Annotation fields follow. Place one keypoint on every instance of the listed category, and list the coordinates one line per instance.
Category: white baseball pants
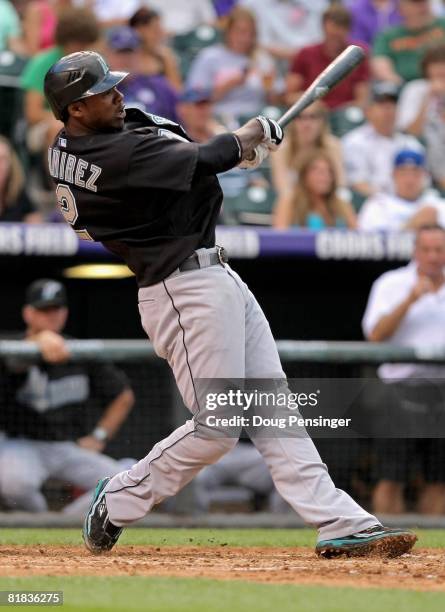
(207, 324)
(26, 464)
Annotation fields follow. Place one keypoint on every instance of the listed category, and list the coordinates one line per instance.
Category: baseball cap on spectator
(407, 157)
(44, 293)
(384, 90)
(194, 95)
(123, 38)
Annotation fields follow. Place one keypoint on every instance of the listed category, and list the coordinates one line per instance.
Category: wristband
(240, 147)
(100, 434)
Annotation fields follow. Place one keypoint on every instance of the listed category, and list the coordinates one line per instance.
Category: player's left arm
(111, 421)
(111, 386)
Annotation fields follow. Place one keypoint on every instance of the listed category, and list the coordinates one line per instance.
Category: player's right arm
(52, 346)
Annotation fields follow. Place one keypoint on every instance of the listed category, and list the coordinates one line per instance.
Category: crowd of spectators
(214, 64)
(367, 157)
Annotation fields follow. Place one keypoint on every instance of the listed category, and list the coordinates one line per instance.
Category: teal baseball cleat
(375, 541)
(99, 534)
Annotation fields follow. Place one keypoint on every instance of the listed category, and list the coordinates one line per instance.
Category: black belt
(217, 257)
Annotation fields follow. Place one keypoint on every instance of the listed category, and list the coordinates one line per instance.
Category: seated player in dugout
(137, 183)
(45, 409)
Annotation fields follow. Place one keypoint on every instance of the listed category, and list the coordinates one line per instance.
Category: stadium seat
(265, 171)
(346, 119)
(11, 67)
(271, 111)
(357, 200)
(253, 207)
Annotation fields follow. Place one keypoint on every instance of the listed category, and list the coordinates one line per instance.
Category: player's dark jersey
(136, 192)
(55, 401)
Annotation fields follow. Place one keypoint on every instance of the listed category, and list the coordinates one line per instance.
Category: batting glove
(261, 152)
(273, 134)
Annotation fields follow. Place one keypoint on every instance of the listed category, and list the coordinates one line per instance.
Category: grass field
(204, 595)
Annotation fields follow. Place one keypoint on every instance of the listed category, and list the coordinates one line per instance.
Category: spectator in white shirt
(421, 110)
(111, 12)
(369, 150)
(286, 27)
(411, 206)
(438, 7)
(183, 16)
(406, 307)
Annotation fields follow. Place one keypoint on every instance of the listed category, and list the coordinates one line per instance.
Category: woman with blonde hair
(309, 131)
(239, 75)
(314, 202)
(14, 202)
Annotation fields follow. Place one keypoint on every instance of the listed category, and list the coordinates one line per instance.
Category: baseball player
(139, 185)
(45, 407)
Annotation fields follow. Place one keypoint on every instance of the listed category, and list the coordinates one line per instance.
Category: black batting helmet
(77, 76)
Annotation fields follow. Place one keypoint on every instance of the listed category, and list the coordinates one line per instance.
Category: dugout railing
(159, 409)
(290, 351)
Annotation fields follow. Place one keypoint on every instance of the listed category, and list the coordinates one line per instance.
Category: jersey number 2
(67, 204)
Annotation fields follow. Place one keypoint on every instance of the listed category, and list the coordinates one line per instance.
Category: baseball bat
(325, 82)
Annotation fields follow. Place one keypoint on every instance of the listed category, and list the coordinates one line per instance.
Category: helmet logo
(103, 63)
(73, 75)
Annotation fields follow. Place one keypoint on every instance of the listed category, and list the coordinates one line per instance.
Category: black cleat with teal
(99, 534)
(376, 541)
